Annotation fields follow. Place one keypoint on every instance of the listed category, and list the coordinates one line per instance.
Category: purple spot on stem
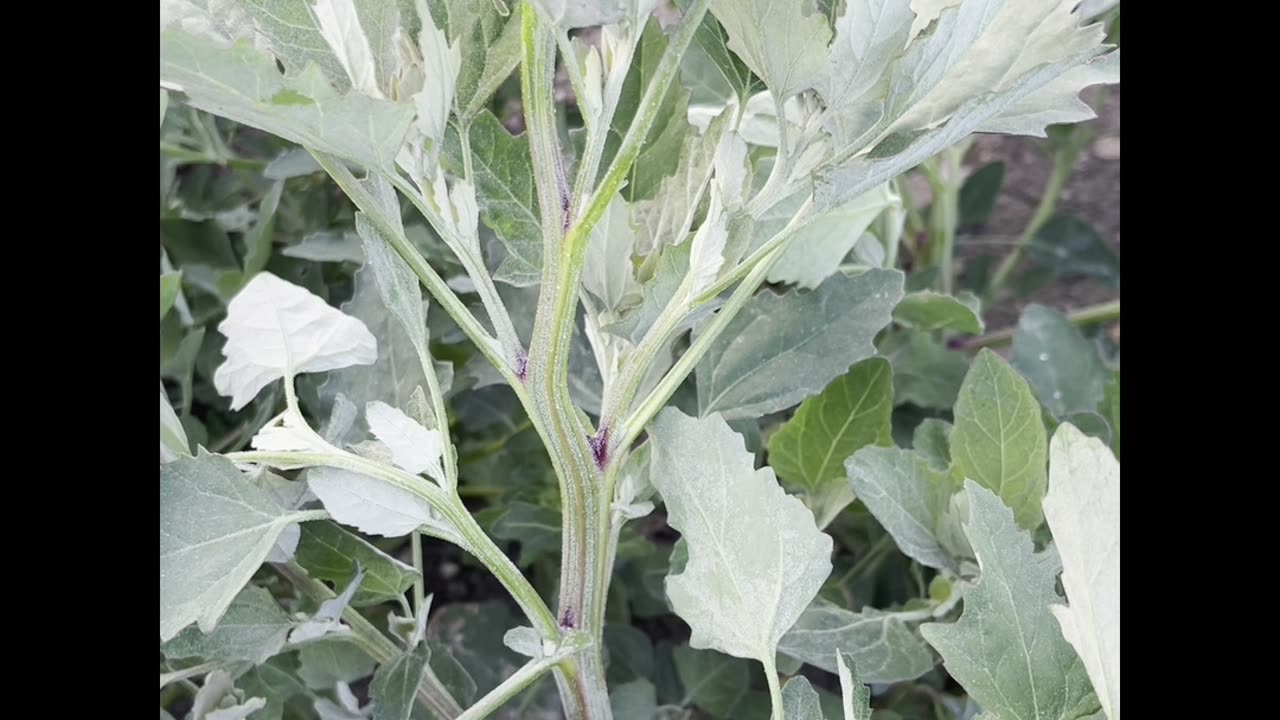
(600, 448)
(568, 619)
(522, 364)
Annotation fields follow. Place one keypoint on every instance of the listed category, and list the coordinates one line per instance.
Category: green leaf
(1069, 247)
(929, 311)
(1006, 649)
(490, 44)
(243, 85)
(713, 681)
(779, 40)
(1064, 368)
(908, 497)
(924, 372)
(170, 285)
(329, 552)
(327, 246)
(472, 633)
(822, 244)
(505, 193)
(276, 329)
(536, 528)
(397, 373)
(932, 439)
(660, 152)
(882, 643)
(1111, 410)
(1083, 511)
(276, 681)
(216, 528)
(395, 685)
(636, 700)
(569, 14)
(710, 50)
(800, 700)
(854, 696)
(607, 273)
(756, 559)
(173, 439)
(329, 661)
(630, 653)
(998, 440)
(781, 349)
(295, 38)
(978, 194)
(657, 293)
(164, 104)
(809, 450)
(253, 629)
(666, 218)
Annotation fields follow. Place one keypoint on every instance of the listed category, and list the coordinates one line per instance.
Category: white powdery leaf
(441, 63)
(288, 433)
(1058, 101)
(1083, 510)
(373, 506)
(780, 40)
(756, 558)
(340, 26)
(173, 438)
(870, 35)
(817, 250)
(524, 640)
(707, 253)
(607, 272)
(413, 447)
(275, 329)
(569, 14)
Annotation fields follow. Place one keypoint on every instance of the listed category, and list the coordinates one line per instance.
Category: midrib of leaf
(301, 516)
(724, 560)
(1022, 643)
(854, 415)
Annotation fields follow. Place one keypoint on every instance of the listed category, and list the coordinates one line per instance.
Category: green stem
(1092, 315)
(509, 688)
(775, 687)
(432, 694)
(1064, 160)
(868, 561)
(190, 672)
(470, 536)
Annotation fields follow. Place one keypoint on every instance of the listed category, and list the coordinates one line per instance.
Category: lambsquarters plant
(646, 234)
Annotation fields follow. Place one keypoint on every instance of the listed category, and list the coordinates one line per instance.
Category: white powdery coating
(413, 447)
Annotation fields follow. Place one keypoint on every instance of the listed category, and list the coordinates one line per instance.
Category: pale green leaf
(756, 559)
(1058, 101)
(800, 700)
(1083, 511)
(395, 685)
(164, 104)
(854, 696)
(808, 452)
(607, 272)
(782, 41)
(490, 44)
(505, 193)
(660, 153)
(1063, 368)
(999, 441)
(710, 54)
(173, 439)
(635, 700)
(713, 681)
(243, 85)
(170, 286)
(330, 661)
(397, 373)
(329, 552)
(781, 349)
(472, 633)
(932, 439)
(293, 33)
(339, 25)
(569, 14)
(414, 448)
(253, 629)
(217, 699)
(442, 63)
(276, 681)
(524, 640)
(276, 329)
(908, 497)
(924, 372)
(818, 249)
(1006, 649)
(216, 528)
(868, 37)
(327, 246)
(373, 506)
(930, 311)
(536, 528)
(882, 643)
(666, 218)
(657, 293)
